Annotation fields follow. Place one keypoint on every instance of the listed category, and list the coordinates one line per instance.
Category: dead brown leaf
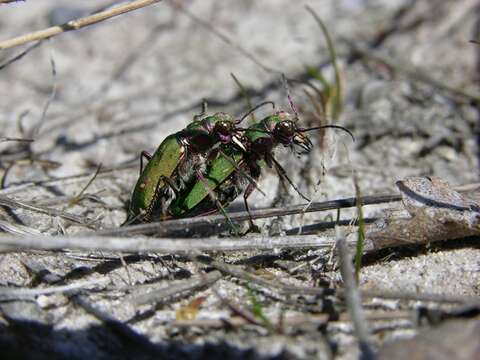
(437, 212)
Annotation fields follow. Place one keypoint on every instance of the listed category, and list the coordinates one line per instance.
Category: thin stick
(77, 197)
(164, 227)
(411, 296)
(21, 293)
(5, 139)
(9, 1)
(76, 24)
(165, 245)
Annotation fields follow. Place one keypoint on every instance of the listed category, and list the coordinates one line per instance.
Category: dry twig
(165, 227)
(27, 293)
(5, 139)
(9, 1)
(143, 244)
(76, 24)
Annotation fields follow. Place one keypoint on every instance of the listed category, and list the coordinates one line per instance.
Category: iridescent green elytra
(175, 159)
(217, 172)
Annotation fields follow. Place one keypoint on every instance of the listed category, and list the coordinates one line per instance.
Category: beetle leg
(154, 203)
(252, 227)
(283, 174)
(146, 155)
(170, 184)
(135, 219)
(243, 173)
(213, 154)
(212, 195)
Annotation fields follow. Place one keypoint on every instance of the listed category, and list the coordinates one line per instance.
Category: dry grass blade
(18, 229)
(23, 293)
(19, 55)
(77, 197)
(36, 129)
(175, 288)
(65, 180)
(338, 95)
(76, 24)
(14, 204)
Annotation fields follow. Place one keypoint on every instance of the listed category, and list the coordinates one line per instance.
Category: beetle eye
(223, 127)
(285, 128)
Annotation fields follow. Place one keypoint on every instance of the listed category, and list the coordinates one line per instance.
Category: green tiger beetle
(222, 176)
(178, 158)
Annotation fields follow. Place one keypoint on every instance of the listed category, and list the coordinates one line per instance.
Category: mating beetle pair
(172, 164)
(209, 163)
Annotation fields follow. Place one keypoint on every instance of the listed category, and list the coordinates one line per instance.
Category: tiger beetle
(224, 175)
(178, 158)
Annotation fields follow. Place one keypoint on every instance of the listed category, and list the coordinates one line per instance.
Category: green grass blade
(257, 309)
(361, 231)
(317, 75)
(337, 104)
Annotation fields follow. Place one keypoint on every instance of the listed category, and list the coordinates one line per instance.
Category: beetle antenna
(329, 126)
(289, 97)
(204, 111)
(255, 108)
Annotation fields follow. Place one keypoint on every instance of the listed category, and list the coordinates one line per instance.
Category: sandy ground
(125, 84)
